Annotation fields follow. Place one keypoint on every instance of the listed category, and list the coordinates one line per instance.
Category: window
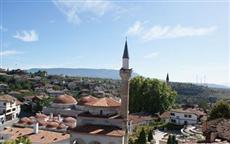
(101, 112)
(14, 109)
(4, 104)
(185, 115)
(189, 116)
(172, 114)
(173, 121)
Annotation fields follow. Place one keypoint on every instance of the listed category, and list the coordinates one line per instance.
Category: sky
(187, 39)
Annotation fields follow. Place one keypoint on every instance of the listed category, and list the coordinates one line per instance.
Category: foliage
(19, 140)
(171, 126)
(150, 95)
(40, 73)
(44, 102)
(150, 136)
(142, 137)
(220, 110)
(172, 139)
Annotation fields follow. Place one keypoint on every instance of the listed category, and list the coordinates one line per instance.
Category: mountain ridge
(82, 72)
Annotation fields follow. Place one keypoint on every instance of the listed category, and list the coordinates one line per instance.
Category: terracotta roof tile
(65, 99)
(104, 102)
(87, 99)
(42, 137)
(100, 130)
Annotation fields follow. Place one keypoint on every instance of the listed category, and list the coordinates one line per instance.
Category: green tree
(150, 95)
(131, 141)
(172, 139)
(43, 103)
(19, 140)
(150, 136)
(142, 137)
(169, 141)
(23, 140)
(220, 110)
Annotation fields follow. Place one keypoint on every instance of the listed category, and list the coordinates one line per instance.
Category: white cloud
(3, 29)
(73, 9)
(26, 36)
(165, 32)
(9, 53)
(151, 55)
(135, 29)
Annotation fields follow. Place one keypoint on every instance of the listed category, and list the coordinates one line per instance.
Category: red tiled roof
(220, 126)
(100, 130)
(42, 137)
(69, 119)
(87, 99)
(65, 99)
(104, 102)
(139, 118)
(189, 111)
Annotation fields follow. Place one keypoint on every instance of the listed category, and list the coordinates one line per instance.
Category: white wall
(180, 118)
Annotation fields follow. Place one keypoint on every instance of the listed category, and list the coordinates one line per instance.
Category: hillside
(82, 72)
(195, 94)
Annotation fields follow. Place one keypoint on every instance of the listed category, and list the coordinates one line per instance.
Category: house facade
(185, 116)
(9, 108)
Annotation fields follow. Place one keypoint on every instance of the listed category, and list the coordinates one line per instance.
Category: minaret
(167, 78)
(125, 74)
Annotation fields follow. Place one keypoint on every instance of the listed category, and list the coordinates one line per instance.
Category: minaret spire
(125, 73)
(125, 58)
(126, 52)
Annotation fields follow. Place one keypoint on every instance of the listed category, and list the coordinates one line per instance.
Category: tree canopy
(220, 110)
(142, 137)
(150, 95)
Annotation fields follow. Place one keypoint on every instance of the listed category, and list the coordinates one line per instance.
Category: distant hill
(217, 86)
(82, 72)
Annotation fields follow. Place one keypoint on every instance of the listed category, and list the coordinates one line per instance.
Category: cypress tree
(150, 136)
(142, 137)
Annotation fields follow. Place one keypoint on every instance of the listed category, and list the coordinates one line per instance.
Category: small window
(4, 104)
(185, 115)
(172, 114)
(189, 116)
(101, 112)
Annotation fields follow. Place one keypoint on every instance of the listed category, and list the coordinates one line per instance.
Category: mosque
(99, 120)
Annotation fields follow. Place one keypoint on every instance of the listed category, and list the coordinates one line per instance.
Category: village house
(9, 108)
(189, 116)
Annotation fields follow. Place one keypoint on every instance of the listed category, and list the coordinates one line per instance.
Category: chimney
(36, 127)
(51, 115)
(59, 118)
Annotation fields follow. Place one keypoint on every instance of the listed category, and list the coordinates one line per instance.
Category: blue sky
(187, 39)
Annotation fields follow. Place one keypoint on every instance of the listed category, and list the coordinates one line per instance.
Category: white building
(9, 108)
(186, 116)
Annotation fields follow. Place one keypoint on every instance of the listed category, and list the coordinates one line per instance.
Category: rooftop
(195, 111)
(7, 98)
(221, 126)
(42, 137)
(104, 102)
(87, 99)
(65, 99)
(87, 114)
(100, 130)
